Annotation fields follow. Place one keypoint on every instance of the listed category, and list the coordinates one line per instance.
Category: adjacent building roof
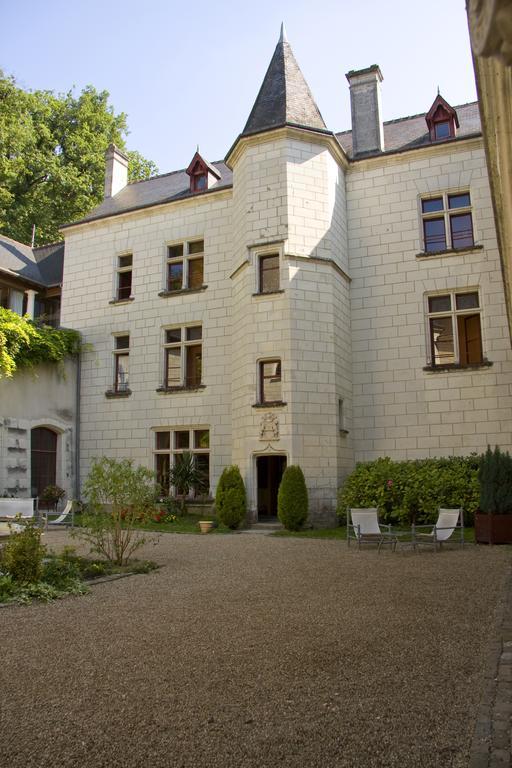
(284, 96)
(42, 266)
(412, 132)
(160, 189)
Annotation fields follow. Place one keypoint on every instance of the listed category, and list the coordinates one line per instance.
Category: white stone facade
(348, 323)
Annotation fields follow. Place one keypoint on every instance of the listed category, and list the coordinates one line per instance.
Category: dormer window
(202, 174)
(442, 120)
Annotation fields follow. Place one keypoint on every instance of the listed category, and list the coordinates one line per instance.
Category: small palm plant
(185, 476)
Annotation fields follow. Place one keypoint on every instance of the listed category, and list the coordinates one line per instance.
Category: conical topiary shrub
(230, 498)
(292, 499)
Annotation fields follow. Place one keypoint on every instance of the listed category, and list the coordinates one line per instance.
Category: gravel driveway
(254, 651)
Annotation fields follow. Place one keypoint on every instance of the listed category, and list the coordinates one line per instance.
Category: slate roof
(160, 189)
(412, 132)
(42, 266)
(284, 96)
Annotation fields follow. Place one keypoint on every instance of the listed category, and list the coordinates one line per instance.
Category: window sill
(449, 252)
(457, 367)
(171, 390)
(122, 301)
(111, 394)
(269, 293)
(182, 291)
(271, 404)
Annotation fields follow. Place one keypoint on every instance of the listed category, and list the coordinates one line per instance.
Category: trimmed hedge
(407, 491)
(230, 498)
(292, 499)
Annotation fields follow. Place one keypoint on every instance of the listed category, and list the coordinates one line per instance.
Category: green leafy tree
(119, 498)
(52, 157)
(184, 475)
(292, 499)
(24, 344)
(230, 498)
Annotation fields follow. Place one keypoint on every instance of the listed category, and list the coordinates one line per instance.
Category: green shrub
(60, 572)
(496, 482)
(22, 555)
(119, 498)
(412, 491)
(292, 499)
(230, 498)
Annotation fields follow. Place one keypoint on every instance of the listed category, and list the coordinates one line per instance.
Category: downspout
(77, 428)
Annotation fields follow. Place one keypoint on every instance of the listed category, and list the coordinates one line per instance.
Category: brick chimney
(116, 171)
(367, 131)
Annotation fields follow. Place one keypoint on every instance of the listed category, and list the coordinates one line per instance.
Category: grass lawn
(183, 524)
(341, 533)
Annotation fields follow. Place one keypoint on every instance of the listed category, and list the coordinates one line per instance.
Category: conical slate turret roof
(284, 96)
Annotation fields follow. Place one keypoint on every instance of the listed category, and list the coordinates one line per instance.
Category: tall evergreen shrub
(292, 499)
(230, 497)
(496, 482)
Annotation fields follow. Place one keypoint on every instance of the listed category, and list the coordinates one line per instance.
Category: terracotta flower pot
(206, 526)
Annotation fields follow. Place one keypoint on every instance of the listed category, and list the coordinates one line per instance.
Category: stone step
(267, 526)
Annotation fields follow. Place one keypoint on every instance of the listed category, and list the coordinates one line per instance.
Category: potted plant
(51, 495)
(185, 476)
(493, 521)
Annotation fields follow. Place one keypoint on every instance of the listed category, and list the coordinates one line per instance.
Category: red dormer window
(202, 174)
(442, 120)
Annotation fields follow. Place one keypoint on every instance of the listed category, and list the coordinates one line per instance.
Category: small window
(171, 445)
(442, 130)
(185, 266)
(199, 182)
(454, 323)
(270, 381)
(124, 277)
(268, 273)
(121, 363)
(183, 357)
(447, 222)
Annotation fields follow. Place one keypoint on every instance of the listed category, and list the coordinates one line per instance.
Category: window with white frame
(121, 363)
(171, 445)
(183, 356)
(447, 222)
(270, 389)
(124, 277)
(185, 266)
(455, 329)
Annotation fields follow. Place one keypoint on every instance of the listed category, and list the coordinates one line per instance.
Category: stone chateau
(317, 298)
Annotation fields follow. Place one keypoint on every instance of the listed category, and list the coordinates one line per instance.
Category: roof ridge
(169, 173)
(409, 117)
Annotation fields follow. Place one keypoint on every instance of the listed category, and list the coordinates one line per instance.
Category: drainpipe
(77, 427)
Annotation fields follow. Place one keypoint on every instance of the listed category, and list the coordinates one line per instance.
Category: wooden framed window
(268, 273)
(185, 266)
(454, 326)
(124, 277)
(183, 357)
(270, 381)
(447, 222)
(171, 445)
(121, 363)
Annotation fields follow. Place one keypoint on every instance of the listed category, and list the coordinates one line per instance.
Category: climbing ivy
(24, 343)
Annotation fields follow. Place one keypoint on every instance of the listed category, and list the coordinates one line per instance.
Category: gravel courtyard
(254, 651)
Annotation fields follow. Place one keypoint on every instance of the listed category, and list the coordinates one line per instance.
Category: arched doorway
(43, 459)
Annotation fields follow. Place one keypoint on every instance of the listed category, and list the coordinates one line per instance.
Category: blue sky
(188, 73)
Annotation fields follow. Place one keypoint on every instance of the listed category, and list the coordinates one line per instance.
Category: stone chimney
(116, 171)
(367, 131)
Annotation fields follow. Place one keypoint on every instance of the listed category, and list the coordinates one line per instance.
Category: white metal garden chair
(66, 517)
(363, 526)
(448, 521)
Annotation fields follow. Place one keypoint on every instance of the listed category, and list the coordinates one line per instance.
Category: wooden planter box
(493, 529)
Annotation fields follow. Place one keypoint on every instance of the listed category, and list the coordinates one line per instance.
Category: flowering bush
(407, 491)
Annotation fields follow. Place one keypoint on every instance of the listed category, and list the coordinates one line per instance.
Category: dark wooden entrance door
(43, 459)
(270, 471)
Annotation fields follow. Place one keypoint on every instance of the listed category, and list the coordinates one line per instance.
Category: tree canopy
(52, 157)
